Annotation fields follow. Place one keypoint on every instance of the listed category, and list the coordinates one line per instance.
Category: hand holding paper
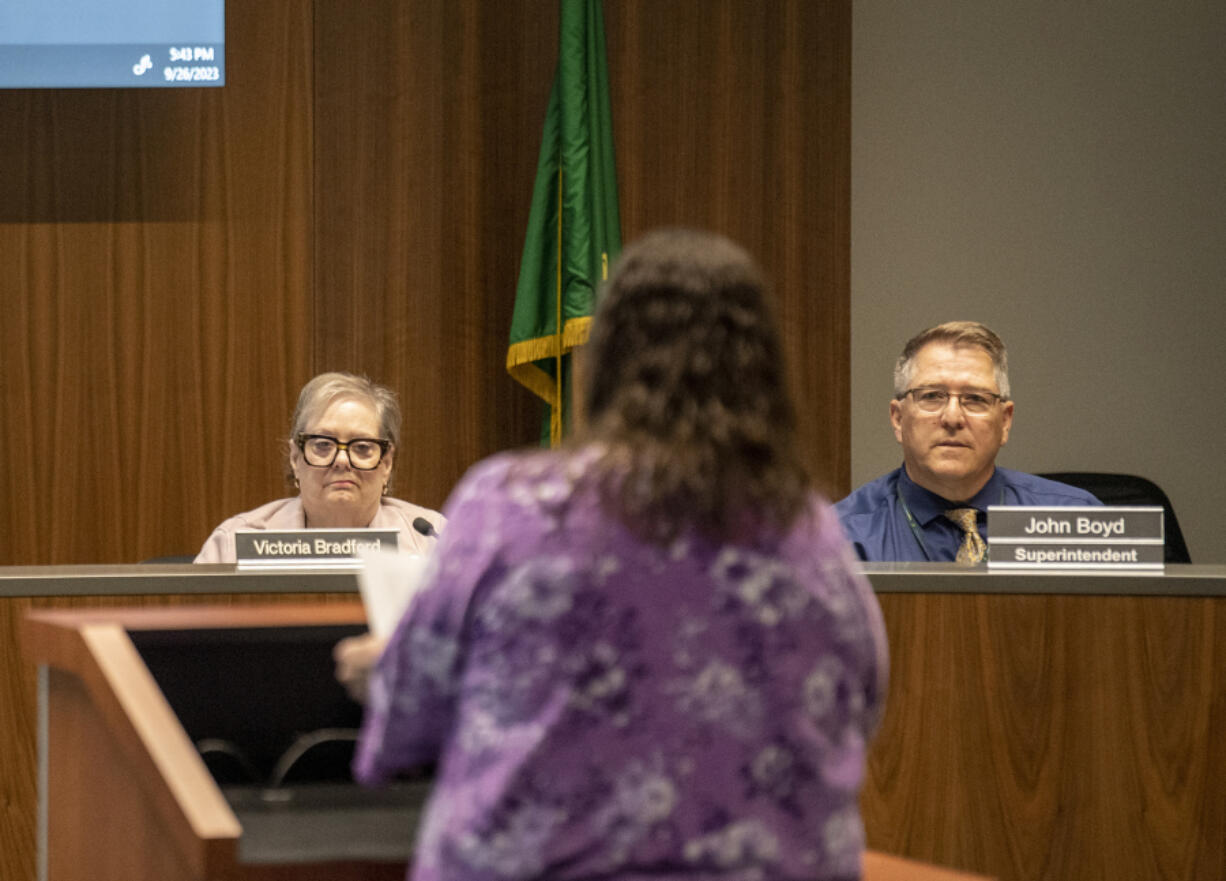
(387, 582)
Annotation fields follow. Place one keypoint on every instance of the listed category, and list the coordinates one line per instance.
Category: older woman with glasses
(342, 448)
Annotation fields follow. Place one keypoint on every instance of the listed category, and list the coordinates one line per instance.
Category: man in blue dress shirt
(951, 413)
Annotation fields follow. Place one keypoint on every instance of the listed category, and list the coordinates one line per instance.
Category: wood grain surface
(156, 246)
(1027, 738)
(179, 262)
(736, 117)
(1054, 738)
(118, 832)
(728, 115)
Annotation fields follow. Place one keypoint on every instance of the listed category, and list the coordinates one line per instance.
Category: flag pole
(555, 417)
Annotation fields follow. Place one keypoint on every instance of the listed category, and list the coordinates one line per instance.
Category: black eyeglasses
(934, 400)
(321, 450)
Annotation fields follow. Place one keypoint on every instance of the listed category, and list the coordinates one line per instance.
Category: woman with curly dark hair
(647, 654)
(687, 392)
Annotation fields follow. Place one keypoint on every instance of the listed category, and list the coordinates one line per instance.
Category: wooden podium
(124, 792)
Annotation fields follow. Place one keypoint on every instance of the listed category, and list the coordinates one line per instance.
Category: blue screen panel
(112, 43)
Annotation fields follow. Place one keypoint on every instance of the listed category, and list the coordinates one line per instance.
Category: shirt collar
(926, 506)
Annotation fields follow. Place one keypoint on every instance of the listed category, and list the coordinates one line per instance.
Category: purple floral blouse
(603, 707)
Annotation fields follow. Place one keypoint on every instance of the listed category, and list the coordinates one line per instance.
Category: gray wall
(1057, 171)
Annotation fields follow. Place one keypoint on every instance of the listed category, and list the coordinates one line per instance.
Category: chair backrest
(1128, 489)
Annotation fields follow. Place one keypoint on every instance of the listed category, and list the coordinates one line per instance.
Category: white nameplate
(1117, 537)
(310, 548)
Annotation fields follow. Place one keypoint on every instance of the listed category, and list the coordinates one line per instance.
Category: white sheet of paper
(388, 581)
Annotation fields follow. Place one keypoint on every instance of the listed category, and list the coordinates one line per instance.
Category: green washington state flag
(574, 230)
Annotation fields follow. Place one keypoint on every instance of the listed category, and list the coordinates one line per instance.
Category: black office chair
(1127, 489)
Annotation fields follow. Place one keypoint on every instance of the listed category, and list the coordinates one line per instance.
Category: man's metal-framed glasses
(321, 450)
(934, 400)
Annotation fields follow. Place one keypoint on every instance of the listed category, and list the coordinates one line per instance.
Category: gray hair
(318, 394)
(956, 333)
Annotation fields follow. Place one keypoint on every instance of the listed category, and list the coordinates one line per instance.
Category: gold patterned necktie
(973, 548)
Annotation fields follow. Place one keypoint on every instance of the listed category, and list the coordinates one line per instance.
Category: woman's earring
(385, 489)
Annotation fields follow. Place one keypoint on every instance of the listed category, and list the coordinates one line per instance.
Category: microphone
(425, 527)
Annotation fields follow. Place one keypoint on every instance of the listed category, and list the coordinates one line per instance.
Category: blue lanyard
(915, 527)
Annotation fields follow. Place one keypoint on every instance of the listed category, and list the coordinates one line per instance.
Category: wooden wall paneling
(735, 116)
(163, 315)
(258, 320)
(732, 115)
(157, 299)
(809, 248)
(1053, 738)
(428, 126)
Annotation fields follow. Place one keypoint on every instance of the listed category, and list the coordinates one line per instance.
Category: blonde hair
(323, 390)
(956, 333)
